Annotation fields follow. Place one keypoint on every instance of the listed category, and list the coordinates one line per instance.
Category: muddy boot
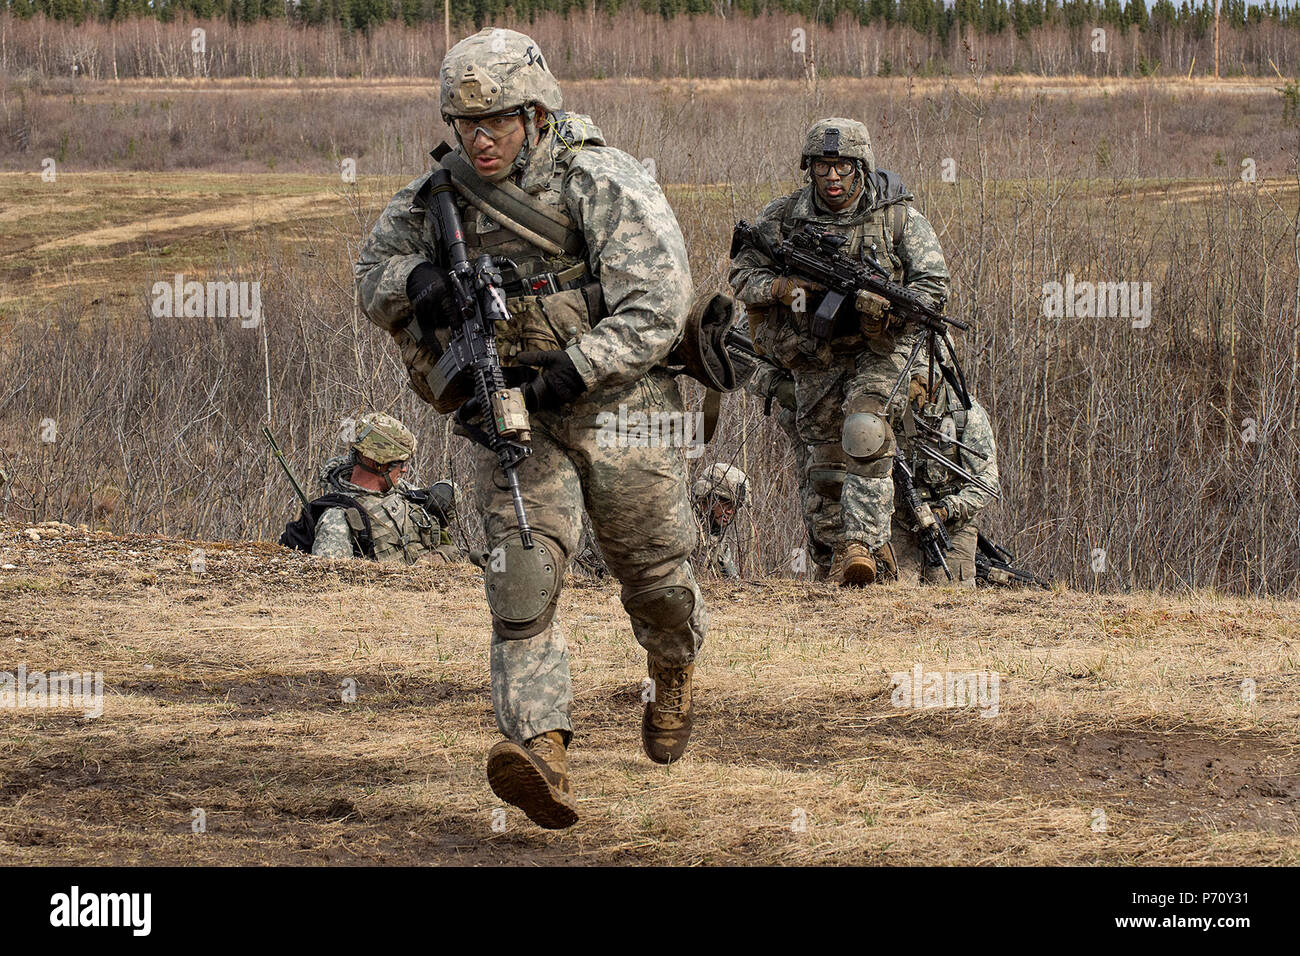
(535, 778)
(888, 564)
(859, 566)
(666, 724)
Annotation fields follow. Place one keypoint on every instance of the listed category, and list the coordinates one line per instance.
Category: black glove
(429, 289)
(558, 383)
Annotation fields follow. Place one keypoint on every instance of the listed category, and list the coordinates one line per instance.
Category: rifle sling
(506, 204)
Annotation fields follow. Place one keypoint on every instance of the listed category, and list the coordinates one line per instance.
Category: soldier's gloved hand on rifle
(940, 514)
(785, 289)
(556, 385)
(429, 289)
(873, 313)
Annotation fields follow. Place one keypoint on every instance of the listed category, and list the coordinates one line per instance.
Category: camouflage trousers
(825, 396)
(812, 504)
(913, 568)
(636, 498)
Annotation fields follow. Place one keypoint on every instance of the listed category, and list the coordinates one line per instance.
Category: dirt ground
(1128, 729)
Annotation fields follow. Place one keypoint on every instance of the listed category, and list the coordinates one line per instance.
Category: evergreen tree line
(927, 17)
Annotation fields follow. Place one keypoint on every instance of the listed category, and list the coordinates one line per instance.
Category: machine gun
(994, 565)
(471, 362)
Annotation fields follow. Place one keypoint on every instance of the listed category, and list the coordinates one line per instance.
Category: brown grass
(224, 694)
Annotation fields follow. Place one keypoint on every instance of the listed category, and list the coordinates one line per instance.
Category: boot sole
(859, 576)
(515, 779)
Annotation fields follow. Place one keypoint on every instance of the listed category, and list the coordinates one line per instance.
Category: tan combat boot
(666, 723)
(535, 778)
(858, 566)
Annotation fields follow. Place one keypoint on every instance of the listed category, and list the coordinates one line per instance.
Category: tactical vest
(399, 530)
(877, 232)
(552, 298)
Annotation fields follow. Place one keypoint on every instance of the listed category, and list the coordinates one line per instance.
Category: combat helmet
(383, 439)
(838, 138)
(724, 482)
(496, 71)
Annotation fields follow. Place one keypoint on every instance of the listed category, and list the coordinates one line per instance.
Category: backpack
(300, 535)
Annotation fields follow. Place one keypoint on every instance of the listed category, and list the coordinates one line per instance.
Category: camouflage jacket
(400, 530)
(937, 484)
(632, 246)
(915, 260)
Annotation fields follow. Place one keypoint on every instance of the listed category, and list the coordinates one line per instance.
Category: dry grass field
(1122, 733)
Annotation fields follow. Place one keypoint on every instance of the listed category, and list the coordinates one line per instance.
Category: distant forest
(654, 38)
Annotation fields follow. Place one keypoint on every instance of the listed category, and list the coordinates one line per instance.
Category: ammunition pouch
(523, 585)
(826, 470)
(702, 353)
(549, 322)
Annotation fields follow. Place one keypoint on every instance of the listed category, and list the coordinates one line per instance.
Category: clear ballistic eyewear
(493, 127)
(842, 167)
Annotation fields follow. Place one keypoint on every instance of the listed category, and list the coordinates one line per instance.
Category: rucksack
(300, 535)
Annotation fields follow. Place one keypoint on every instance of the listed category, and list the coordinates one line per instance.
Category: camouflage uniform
(851, 499)
(718, 482)
(938, 486)
(633, 255)
(400, 529)
(760, 384)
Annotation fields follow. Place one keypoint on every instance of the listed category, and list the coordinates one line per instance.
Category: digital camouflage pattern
(640, 517)
(939, 486)
(853, 372)
(718, 482)
(400, 530)
(811, 504)
(493, 71)
(723, 482)
(636, 497)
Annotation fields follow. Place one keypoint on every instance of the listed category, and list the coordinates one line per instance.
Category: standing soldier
(841, 385)
(593, 240)
(719, 493)
(954, 500)
(370, 511)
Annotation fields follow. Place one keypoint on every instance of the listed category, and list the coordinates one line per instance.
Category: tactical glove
(556, 385)
(940, 513)
(429, 289)
(785, 289)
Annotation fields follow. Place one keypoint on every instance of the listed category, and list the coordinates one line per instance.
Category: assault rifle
(816, 255)
(994, 565)
(471, 361)
(930, 531)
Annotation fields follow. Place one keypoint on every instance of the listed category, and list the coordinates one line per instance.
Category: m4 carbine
(471, 361)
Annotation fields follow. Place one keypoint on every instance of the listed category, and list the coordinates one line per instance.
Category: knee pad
(523, 585)
(665, 605)
(826, 466)
(869, 444)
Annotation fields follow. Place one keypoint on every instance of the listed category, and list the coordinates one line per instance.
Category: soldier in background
(841, 385)
(719, 492)
(596, 305)
(390, 520)
(954, 500)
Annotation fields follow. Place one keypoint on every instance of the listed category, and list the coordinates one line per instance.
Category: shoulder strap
(900, 221)
(364, 535)
(547, 228)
